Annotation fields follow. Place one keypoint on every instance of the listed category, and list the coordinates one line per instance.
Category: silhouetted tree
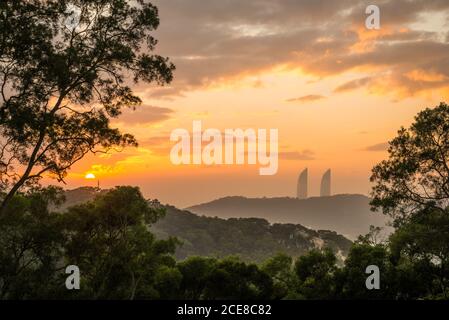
(65, 70)
(416, 174)
(412, 186)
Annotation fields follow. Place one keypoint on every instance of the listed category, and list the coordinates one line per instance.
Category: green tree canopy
(351, 279)
(315, 272)
(424, 243)
(109, 240)
(234, 279)
(280, 269)
(31, 244)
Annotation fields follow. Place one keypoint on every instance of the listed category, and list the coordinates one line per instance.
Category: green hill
(253, 239)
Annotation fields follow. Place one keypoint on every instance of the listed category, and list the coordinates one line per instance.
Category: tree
(280, 269)
(422, 244)
(351, 278)
(416, 175)
(315, 272)
(412, 186)
(65, 71)
(109, 240)
(232, 279)
(168, 282)
(31, 246)
(195, 273)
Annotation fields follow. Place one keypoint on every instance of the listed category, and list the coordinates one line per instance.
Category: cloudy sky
(336, 91)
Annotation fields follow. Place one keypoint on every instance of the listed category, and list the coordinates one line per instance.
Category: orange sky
(335, 91)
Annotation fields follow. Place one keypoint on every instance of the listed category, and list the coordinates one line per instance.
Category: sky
(336, 91)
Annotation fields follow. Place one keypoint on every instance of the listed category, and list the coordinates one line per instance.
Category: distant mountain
(252, 239)
(349, 215)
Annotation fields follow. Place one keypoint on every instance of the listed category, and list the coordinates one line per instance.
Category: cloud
(308, 98)
(297, 155)
(378, 147)
(158, 145)
(211, 42)
(353, 84)
(145, 115)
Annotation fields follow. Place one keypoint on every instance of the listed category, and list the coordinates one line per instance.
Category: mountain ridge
(348, 214)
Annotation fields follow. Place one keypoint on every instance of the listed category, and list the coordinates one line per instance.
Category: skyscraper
(302, 184)
(326, 184)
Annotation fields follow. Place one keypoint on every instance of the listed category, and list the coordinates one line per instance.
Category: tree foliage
(30, 245)
(107, 238)
(65, 71)
(315, 272)
(424, 244)
(416, 174)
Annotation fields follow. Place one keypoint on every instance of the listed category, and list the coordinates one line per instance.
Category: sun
(90, 176)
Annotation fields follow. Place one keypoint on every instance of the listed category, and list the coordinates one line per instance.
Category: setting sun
(90, 176)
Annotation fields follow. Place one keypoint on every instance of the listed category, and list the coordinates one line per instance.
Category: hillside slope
(349, 215)
(252, 239)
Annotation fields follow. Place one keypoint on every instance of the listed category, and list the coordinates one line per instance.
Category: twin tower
(302, 191)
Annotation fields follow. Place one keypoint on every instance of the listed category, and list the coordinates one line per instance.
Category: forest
(119, 258)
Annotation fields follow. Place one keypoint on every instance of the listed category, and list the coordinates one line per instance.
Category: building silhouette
(325, 190)
(303, 184)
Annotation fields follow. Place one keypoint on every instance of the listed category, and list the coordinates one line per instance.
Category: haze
(336, 91)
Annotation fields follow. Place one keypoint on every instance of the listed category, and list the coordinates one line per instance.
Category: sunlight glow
(90, 176)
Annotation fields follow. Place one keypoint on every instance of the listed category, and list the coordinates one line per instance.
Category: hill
(79, 195)
(252, 239)
(349, 215)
